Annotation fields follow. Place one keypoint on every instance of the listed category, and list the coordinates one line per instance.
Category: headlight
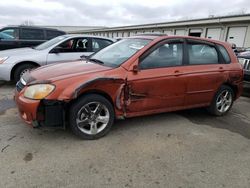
(39, 91)
(2, 59)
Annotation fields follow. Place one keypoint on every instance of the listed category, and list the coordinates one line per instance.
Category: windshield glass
(117, 53)
(50, 43)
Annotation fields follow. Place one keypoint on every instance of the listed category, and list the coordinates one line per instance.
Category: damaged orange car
(137, 76)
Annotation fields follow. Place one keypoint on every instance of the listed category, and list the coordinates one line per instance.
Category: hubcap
(224, 101)
(92, 118)
(23, 72)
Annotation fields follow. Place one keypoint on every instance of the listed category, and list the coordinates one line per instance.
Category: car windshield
(5, 36)
(50, 43)
(119, 52)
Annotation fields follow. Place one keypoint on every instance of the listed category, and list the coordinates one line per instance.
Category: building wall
(202, 28)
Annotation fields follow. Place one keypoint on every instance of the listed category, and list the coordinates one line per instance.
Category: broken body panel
(132, 92)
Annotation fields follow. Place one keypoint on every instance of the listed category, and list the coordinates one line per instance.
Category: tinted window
(67, 46)
(5, 36)
(98, 44)
(32, 34)
(167, 55)
(52, 34)
(74, 45)
(82, 45)
(202, 54)
(8, 33)
(224, 53)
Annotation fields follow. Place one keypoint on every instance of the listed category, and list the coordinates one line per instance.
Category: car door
(30, 37)
(205, 73)
(69, 50)
(158, 85)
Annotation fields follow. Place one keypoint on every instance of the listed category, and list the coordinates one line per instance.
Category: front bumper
(5, 71)
(36, 113)
(27, 108)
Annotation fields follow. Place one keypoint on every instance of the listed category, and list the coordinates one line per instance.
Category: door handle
(177, 73)
(221, 69)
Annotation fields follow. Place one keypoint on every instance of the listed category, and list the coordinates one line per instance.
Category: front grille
(19, 86)
(246, 64)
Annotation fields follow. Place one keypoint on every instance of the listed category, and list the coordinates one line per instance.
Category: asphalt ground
(181, 149)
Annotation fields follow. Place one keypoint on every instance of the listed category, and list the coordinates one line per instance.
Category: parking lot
(182, 149)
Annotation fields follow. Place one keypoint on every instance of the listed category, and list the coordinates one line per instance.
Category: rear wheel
(21, 70)
(222, 101)
(91, 116)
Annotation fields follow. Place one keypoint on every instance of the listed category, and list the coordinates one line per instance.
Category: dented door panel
(155, 89)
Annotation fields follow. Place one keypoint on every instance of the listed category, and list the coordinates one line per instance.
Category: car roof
(91, 36)
(31, 27)
(165, 36)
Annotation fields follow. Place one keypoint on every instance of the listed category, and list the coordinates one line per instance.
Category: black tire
(213, 109)
(20, 69)
(77, 106)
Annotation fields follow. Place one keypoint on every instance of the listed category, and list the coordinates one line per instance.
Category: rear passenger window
(32, 34)
(52, 34)
(98, 44)
(224, 53)
(200, 54)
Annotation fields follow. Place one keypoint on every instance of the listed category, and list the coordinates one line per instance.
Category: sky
(113, 12)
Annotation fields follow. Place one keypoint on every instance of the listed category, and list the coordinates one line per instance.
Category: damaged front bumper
(45, 113)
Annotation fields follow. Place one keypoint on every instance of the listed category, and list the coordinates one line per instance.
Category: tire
(222, 103)
(89, 121)
(21, 69)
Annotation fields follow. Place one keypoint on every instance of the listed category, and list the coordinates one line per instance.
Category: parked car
(137, 76)
(15, 62)
(25, 36)
(244, 59)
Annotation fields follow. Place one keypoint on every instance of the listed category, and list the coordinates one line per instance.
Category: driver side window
(166, 55)
(74, 45)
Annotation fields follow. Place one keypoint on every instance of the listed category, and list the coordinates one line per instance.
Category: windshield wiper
(84, 57)
(96, 61)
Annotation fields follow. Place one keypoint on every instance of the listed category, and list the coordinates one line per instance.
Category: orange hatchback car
(136, 76)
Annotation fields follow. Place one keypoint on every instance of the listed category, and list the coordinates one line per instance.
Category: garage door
(237, 35)
(213, 33)
(180, 32)
(168, 32)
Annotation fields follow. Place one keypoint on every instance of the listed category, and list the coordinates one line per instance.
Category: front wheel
(21, 70)
(222, 101)
(91, 116)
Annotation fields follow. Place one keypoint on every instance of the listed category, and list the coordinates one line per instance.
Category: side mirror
(135, 69)
(56, 50)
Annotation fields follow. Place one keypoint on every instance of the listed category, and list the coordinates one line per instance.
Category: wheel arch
(19, 64)
(233, 87)
(97, 92)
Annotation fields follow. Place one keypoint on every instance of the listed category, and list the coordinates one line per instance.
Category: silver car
(14, 63)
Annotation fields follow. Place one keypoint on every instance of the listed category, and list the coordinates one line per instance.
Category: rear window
(52, 34)
(224, 53)
(201, 54)
(98, 44)
(32, 34)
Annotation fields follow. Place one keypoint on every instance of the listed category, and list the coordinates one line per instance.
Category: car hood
(244, 54)
(61, 71)
(15, 52)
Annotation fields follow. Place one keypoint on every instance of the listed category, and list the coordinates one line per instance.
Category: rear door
(205, 73)
(31, 37)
